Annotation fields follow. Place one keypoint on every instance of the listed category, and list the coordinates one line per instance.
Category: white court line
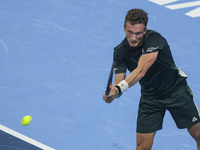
(183, 5)
(194, 13)
(25, 138)
(163, 2)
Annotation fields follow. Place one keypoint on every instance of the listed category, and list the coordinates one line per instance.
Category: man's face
(135, 33)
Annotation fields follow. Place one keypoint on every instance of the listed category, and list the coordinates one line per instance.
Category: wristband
(122, 86)
(119, 89)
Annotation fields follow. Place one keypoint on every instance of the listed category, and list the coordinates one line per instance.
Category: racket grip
(108, 90)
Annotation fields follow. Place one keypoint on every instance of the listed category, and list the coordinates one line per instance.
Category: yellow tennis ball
(26, 120)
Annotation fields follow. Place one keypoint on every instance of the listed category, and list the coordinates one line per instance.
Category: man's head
(135, 26)
(136, 16)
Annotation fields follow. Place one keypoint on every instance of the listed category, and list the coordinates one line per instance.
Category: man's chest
(132, 58)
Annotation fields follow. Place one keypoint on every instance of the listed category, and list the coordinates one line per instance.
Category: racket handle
(108, 90)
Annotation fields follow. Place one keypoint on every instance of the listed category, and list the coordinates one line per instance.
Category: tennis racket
(109, 84)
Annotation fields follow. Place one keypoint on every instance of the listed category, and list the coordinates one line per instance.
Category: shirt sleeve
(120, 64)
(153, 43)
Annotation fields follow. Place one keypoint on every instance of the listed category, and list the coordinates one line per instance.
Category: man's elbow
(142, 74)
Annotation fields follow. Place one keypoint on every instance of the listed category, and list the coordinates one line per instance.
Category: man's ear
(145, 31)
(124, 28)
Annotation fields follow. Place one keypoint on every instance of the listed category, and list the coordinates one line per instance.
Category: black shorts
(180, 104)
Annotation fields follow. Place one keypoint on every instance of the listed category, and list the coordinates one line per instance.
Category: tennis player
(147, 55)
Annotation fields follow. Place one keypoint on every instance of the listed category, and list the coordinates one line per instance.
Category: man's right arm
(118, 78)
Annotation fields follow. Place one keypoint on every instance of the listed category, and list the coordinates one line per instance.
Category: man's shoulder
(152, 33)
(122, 45)
(152, 36)
(121, 50)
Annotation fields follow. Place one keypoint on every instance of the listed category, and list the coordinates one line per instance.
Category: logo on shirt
(151, 49)
(142, 50)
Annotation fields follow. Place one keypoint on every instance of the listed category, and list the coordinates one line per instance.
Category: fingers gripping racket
(110, 79)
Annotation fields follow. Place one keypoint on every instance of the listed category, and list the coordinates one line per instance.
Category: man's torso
(162, 77)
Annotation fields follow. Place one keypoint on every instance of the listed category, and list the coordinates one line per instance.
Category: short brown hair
(135, 16)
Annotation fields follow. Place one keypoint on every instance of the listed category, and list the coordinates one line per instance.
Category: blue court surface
(55, 57)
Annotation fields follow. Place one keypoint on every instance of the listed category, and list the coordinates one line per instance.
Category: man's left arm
(144, 63)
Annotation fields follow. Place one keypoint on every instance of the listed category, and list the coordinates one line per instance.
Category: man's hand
(109, 98)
